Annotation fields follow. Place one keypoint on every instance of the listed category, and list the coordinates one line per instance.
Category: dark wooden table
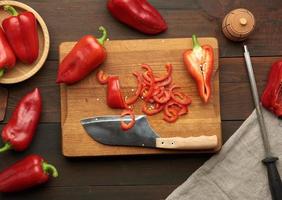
(143, 177)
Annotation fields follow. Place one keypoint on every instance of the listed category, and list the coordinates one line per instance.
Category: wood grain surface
(88, 98)
(142, 177)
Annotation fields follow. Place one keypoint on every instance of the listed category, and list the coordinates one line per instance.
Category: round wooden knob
(238, 24)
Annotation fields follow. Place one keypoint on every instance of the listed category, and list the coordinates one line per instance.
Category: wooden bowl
(21, 71)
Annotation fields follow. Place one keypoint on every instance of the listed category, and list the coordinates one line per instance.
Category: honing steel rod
(274, 179)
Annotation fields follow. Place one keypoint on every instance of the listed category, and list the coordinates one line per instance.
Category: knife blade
(106, 130)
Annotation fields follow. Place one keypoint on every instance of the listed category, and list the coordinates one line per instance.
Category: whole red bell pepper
(138, 14)
(272, 95)
(84, 57)
(17, 134)
(199, 62)
(26, 173)
(114, 96)
(7, 58)
(21, 31)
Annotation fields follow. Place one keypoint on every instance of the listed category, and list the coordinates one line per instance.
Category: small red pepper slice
(85, 56)
(20, 129)
(153, 109)
(199, 62)
(169, 73)
(165, 97)
(170, 115)
(114, 97)
(165, 82)
(21, 32)
(181, 98)
(26, 173)
(133, 99)
(126, 126)
(148, 90)
(102, 77)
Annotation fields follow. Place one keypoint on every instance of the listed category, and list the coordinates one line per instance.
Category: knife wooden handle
(189, 143)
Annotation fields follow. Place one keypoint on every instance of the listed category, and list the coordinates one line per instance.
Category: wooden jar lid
(238, 24)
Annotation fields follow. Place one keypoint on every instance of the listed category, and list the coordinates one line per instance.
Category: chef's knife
(106, 130)
(270, 161)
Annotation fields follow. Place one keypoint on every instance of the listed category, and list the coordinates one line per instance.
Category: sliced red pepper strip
(163, 98)
(156, 108)
(114, 97)
(180, 108)
(164, 83)
(126, 126)
(181, 98)
(133, 99)
(171, 115)
(102, 77)
(169, 73)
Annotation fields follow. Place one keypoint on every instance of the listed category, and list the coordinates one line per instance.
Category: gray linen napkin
(236, 172)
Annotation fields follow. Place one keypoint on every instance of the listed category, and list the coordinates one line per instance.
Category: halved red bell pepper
(138, 14)
(115, 98)
(18, 133)
(199, 62)
(272, 95)
(26, 173)
(21, 32)
(7, 58)
(85, 56)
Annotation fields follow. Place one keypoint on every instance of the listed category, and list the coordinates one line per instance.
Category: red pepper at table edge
(7, 58)
(139, 14)
(272, 95)
(18, 133)
(85, 56)
(21, 32)
(199, 62)
(114, 96)
(26, 173)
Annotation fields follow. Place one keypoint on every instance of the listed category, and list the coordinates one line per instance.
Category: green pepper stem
(196, 44)
(50, 169)
(6, 147)
(2, 72)
(11, 10)
(104, 37)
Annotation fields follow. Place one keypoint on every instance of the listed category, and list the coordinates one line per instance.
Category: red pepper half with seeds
(85, 56)
(21, 32)
(138, 14)
(18, 133)
(7, 58)
(26, 173)
(271, 98)
(199, 62)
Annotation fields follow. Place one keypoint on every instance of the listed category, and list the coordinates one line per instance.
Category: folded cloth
(236, 172)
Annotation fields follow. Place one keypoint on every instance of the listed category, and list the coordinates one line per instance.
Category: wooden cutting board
(88, 98)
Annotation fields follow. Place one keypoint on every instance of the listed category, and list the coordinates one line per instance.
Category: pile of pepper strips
(86, 56)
